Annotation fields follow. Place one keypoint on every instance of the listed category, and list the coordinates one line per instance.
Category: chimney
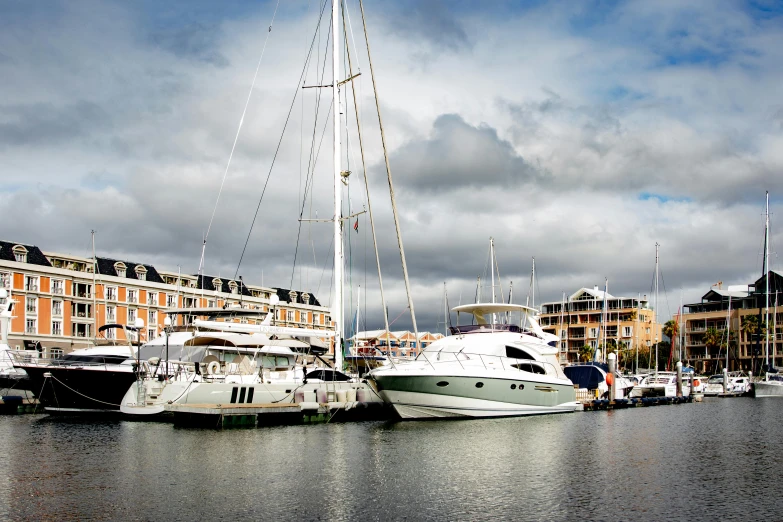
(595, 287)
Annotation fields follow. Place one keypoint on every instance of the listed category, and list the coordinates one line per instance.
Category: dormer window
(141, 273)
(217, 284)
(234, 287)
(20, 254)
(305, 298)
(292, 296)
(120, 267)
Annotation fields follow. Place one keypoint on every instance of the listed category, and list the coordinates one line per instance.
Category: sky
(578, 133)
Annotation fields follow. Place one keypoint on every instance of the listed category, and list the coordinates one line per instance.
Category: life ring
(696, 382)
(609, 379)
(213, 368)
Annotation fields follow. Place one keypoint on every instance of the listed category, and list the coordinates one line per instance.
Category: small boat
(592, 377)
(13, 381)
(738, 383)
(664, 384)
(770, 386)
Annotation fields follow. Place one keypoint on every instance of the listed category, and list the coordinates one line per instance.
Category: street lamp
(167, 330)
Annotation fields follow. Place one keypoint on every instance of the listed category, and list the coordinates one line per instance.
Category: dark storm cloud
(458, 154)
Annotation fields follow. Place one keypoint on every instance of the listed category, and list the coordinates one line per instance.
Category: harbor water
(719, 459)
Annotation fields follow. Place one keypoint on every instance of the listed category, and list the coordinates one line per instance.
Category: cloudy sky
(578, 133)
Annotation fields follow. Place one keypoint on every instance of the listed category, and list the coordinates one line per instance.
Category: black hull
(79, 390)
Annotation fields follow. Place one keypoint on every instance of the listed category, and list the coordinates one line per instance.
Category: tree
(586, 353)
(750, 325)
(671, 329)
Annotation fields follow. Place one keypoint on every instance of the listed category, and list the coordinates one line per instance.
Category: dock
(275, 414)
(16, 404)
(620, 404)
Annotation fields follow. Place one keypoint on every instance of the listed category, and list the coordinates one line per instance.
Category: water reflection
(715, 459)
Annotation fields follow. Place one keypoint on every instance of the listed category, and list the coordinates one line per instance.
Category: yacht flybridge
(485, 369)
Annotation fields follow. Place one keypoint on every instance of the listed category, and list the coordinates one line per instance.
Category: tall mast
(766, 291)
(655, 309)
(358, 311)
(492, 270)
(445, 310)
(728, 332)
(337, 308)
(94, 291)
(606, 315)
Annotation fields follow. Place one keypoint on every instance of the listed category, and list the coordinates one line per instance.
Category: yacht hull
(79, 390)
(768, 389)
(151, 398)
(423, 397)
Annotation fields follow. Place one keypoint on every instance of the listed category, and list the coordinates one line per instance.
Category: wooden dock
(275, 414)
(619, 404)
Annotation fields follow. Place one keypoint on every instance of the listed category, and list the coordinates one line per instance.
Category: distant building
(740, 307)
(60, 303)
(577, 321)
(395, 344)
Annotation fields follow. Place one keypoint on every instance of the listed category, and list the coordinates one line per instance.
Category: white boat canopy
(481, 310)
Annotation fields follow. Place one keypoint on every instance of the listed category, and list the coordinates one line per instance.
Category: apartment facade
(61, 301)
(580, 320)
(735, 307)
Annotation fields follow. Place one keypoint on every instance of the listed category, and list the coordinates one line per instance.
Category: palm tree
(712, 337)
(670, 330)
(750, 325)
(585, 353)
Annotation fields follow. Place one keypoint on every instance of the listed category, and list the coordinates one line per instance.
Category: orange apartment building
(61, 301)
(577, 321)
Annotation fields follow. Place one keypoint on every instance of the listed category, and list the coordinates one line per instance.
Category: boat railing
(491, 362)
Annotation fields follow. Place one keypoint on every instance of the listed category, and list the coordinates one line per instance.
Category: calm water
(718, 459)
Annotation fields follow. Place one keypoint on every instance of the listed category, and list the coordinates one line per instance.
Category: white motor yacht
(240, 368)
(770, 386)
(664, 384)
(738, 383)
(481, 370)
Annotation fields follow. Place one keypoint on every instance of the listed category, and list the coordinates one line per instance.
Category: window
(57, 307)
(131, 316)
(151, 334)
(648, 330)
(627, 331)
(110, 333)
(133, 296)
(57, 327)
(31, 326)
(648, 342)
(32, 304)
(20, 254)
(290, 316)
(5, 280)
(82, 290)
(111, 315)
(120, 267)
(31, 283)
(171, 300)
(211, 303)
(58, 286)
(55, 353)
(217, 285)
(562, 334)
(593, 332)
(111, 293)
(141, 273)
(153, 317)
(152, 298)
(233, 286)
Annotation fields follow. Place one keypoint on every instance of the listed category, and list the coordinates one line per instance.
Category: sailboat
(484, 369)
(772, 383)
(245, 365)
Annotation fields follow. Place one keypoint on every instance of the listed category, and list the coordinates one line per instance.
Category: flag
(356, 225)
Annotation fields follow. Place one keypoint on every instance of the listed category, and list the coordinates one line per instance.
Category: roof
(205, 282)
(106, 267)
(374, 334)
(285, 296)
(716, 292)
(479, 310)
(597, 294)
(34, 254)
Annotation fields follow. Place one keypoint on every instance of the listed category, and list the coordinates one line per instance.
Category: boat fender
(213, 368)
(696, 382)
(609, 379)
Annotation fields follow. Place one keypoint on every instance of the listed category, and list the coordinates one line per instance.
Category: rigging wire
(236, 138)
(280, 141)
